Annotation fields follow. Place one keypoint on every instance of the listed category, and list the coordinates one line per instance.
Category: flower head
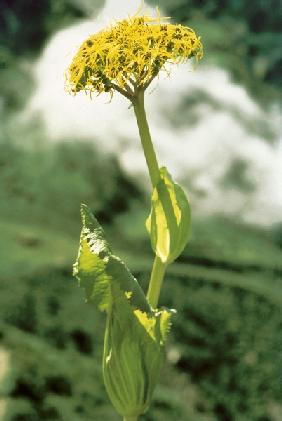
(129, 54)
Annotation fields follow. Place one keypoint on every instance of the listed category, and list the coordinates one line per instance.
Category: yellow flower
(128, 55)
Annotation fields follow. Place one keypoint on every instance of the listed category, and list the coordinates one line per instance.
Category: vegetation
(224, 357)
(243, 37)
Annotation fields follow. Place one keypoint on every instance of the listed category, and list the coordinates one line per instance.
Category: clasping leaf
(96, 267)
(135, 333)
(169, 221)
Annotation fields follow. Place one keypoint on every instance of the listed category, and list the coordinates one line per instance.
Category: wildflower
(129, 54)
(126, 58)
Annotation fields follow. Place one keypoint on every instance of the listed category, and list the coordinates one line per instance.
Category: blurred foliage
(224, 356)
(277, 234)
(43, 182)
(15, 81)
(26, 24)
(244, 37)
(231, 358)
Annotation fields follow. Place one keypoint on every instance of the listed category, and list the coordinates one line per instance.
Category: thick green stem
(130, 418)
(158, 270)
(150, 155)
(156, 281)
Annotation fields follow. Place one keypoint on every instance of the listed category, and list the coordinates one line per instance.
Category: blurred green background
(224, 358)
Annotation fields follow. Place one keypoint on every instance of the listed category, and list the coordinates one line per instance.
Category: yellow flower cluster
(128, 55)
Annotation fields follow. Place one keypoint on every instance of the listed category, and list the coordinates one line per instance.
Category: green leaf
(96, 267)
(169, 221)
(133, 354)
(135, 333)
